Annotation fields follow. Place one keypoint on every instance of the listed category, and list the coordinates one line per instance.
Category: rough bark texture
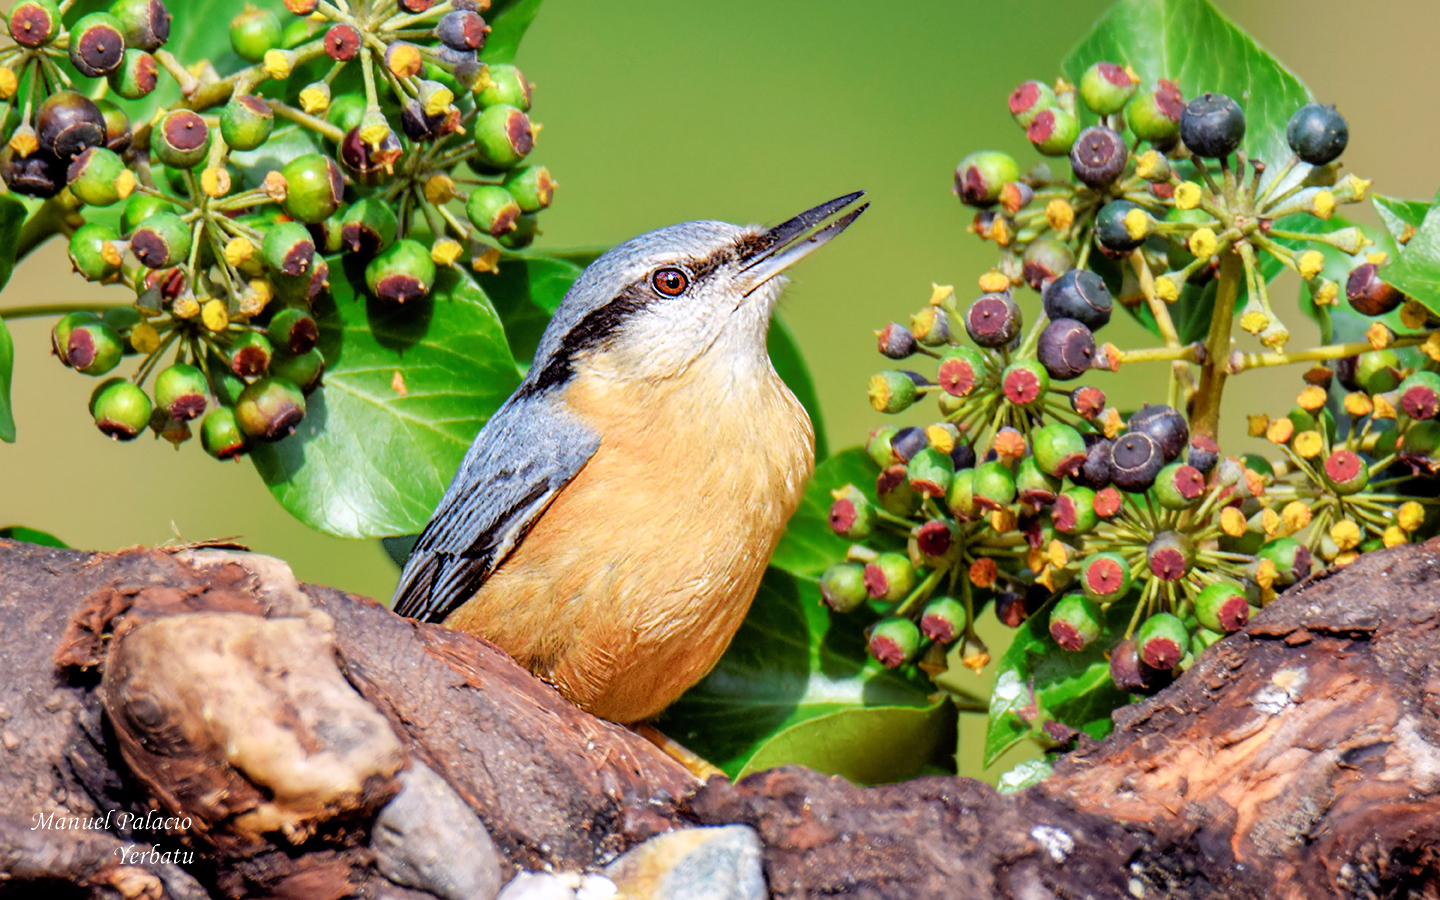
(1300, 758)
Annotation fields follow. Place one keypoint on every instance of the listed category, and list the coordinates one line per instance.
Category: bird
(610, 523)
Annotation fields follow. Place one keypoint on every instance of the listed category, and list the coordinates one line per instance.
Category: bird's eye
(670, 281)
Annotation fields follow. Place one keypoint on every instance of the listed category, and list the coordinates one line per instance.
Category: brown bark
(1300, 758)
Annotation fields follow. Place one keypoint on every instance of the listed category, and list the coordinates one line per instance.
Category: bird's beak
(776, 250)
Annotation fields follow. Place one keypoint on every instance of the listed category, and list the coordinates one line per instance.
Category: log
(196, 724)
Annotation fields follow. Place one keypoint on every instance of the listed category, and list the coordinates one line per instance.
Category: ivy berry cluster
(1034, 494)
(366, 134)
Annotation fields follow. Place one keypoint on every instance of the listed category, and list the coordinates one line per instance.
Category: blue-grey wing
(522, 458)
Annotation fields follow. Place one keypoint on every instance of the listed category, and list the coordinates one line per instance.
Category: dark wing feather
(517, 465)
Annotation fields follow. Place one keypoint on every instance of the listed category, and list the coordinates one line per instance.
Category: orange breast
(629, 587)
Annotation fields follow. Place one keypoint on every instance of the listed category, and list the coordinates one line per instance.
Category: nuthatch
(609, 525)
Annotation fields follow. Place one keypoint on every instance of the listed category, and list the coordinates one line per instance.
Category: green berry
(117, 125)
(136, 76)
(1347, 473)
(503, 136)
(220, 434)
(960, 499)
(1029, 99)
(93, 251)
(60, 333)
(246, 122)
(522, 235)
(1053, 132)
(250, 354)
(1292, 559)
(1046, 259)
(270, 409)
(180, 391)
(1170, 555)
(1074, 511)
(1034, 487)
(961, 369)
(532, 187)
(144, 23)
(139, 208)
(96, 177)
(981, 175)
(346, 111)
(852, 515)
(304, 370)
(288, 249)
(890, 578)
(121, 410)
(1378, 371)
(368, 227)
(254, 33)
(315, 187)
(507, 86)
(1179, 486)
(1059, 449)
(34, 23)
(894, 641)
(892, 489)
(943, 620)
(1074, 622)
(97, 44)
(1162, 640)
(162, 241)
(292, 330)
(1420, 395)
(1106, 88)
(1222, 607)
(403, 272)
(1105, 577)
(994, 485)
(891, 391)
(492, 209)
(878, 446)
(843, 586)
(930, 472)
(94, 348)
(1154, 113)
(181, 139)
(1025, 383)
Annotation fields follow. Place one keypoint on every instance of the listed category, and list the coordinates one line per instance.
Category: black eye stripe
(670, 281)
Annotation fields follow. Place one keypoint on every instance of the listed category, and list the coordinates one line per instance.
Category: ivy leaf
(809, 545)
(790, 366)
(286, 143)
(867, 745)
(793, 662)
(526, 292)
(7, 371)
(1194, 45)
(1025, 774)
(406, 389)
(1417, 270)
(12, 217)
(1345, 324)
(31, 536)
(1402, 218)
(1073, 688)
(508, 20)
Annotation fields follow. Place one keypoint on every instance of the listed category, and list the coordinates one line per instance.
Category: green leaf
(1073, 688)
(792, 662)
(372, 459)
(1402, 218)
(32, 536)
(1025, 774)
(790, 366)
(1193, 44)
(1417, 270)
(809, 545)
(868, 745)
(7, 372)
(508, 20)
(526, 292)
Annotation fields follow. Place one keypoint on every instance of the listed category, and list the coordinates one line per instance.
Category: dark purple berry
(1110, 230)
(1317, 133)
(907, 442)
(68, 124)
(895, 341)
(1099, 156)
(993, 320)
(1081, 295)
(1066, 349)
(1204, 453)
(962, 456)
(1095, 471)
(1046, 259)
(1165, 425)
(37, 175)
(462, 30)
(1135, 460)
(1368, 294)
(1212, 125)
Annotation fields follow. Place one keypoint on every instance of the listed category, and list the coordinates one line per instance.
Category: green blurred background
(656, 112)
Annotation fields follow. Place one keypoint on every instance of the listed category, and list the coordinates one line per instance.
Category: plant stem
(56, 309)
(1206, 418)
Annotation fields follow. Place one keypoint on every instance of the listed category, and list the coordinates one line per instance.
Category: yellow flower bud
(1203, 243)
(1413, 314)
(9, 83)
(446, 251)
(1310, 264)
(238, 251)
(1379, 336)
(186, 307)
(215, 315)
(24, 141)
(1137, 224)
(1323, 206)
(1356, 188)
(144, 338)
(1151, 165)
(1384, 409)
(254, 301)
(278, 64)
(1059, 214)
(1296, 515)
(1377, 257)
(1358, 404)
(1311, 398)
(1270, 521)
(487, 260)
(404, 60)
(1346, 559)
(1309, 444)
(940, 438)
(939, 293)
(438, 101)
(1432, 346)
(275, 186)
(1411, 515)
(1346, 534)
(1003, 521)
(1111, 422)
(374, 133)
(1167, 289)
(992, 282)
(1394, 537)
(1001, 233)
(1257, 424)
(1275, 336)
(1327, 293)
(1187, 195)
(1265, 573)
(315, 98)
(1232, 522)
(215, 181)
(439, 188)
(1254, 321)
(1280, 431)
